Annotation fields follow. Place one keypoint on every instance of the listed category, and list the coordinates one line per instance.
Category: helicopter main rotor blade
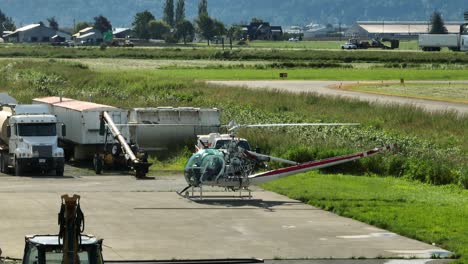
(314, 165)
(267, 158)
(292, 124)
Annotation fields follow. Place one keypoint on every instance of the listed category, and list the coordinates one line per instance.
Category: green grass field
(404, 45)
(453, 92)
(244, 54)
(427, 213)
(312, 74)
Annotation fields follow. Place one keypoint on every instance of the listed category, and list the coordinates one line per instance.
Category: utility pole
(339, 29)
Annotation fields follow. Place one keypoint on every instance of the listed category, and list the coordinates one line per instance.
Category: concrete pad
(148, 220)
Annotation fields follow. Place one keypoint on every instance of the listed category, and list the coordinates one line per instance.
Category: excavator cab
(47, 249)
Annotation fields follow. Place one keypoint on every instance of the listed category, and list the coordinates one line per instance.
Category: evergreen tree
(53, 23)
(81, 25)
(185, 30)
(437, 24)
(206, 27)
(158, 29)
(102, 24)
(203, 8)
(6, 23)
(218, 28)
(168, 16)
(140, 24)
(180, 11)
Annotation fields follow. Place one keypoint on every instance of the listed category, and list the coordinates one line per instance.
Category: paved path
(148, 220)
(322, 87)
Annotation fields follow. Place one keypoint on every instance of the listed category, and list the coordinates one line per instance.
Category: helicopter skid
(192, 193)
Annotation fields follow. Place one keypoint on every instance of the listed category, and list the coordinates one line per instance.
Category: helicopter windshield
(204, 166)
(224, 143)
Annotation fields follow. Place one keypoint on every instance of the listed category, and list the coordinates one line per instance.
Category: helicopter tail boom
(314, 165)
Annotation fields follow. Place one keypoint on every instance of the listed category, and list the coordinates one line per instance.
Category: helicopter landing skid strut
(190, 194)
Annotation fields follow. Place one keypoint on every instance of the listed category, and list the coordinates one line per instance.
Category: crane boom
(140, 167)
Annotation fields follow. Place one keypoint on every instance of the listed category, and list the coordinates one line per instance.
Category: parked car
(293, 39)
(348, 46)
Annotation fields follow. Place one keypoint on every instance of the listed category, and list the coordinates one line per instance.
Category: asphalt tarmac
(330, 88)
(148, 220)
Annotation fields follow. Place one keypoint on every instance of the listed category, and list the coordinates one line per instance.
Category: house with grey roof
(88, 36)
(122, 33)
(262, 31)
(33, 33)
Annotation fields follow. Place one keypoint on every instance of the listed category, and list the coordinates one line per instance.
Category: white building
(31, 33)
(398, 29)
(88, 35)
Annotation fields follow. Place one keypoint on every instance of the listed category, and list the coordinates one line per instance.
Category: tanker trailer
(161, 128)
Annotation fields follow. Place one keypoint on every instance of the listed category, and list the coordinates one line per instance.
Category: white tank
(159, 128)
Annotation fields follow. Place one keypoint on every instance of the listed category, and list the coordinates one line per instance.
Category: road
(323, 88)
(146, 219)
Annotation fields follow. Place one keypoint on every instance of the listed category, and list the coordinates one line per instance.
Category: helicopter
(227, 161)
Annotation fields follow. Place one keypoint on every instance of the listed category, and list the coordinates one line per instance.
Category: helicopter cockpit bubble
(204, 166)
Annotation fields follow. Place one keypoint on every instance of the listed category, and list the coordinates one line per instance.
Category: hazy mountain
(279, 12)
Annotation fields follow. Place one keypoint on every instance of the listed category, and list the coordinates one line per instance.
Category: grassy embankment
(404, 45)
(432, 214)
(237, 54)
(433, 149)
(423, 137)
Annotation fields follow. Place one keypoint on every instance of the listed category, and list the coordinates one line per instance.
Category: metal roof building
(401, 29)
(31, 33)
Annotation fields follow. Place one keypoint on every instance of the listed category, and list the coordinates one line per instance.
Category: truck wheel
(18, 169)
(67, 154)
(59, 171)
(3, 163)
(98, 164)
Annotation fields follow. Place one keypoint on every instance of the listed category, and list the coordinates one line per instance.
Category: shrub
(103, 46)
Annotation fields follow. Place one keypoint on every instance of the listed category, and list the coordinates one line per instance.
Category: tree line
(174, 26)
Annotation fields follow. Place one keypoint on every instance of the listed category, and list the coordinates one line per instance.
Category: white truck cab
(220, 141)
(29, 139)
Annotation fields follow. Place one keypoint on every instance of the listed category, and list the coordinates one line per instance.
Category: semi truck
(28, 140)
(117, 138)
(455, 42)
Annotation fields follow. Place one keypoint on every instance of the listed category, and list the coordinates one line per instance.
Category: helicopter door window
(212, 167)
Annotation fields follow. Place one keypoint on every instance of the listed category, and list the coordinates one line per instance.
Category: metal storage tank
(158, 128)
(83, 122)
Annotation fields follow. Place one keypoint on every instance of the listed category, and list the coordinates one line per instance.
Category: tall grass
(433, 148)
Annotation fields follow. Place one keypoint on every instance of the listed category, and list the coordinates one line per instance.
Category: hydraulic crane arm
(140, 167)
